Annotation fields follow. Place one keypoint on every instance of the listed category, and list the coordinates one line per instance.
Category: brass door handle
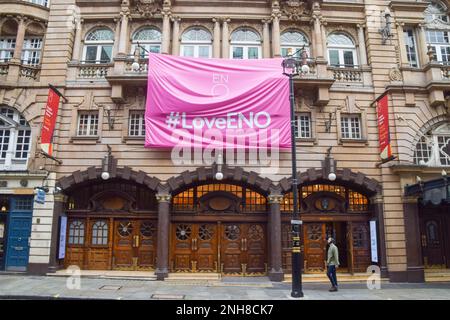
(136, 241)
(194, 246)
(242, 245)
(245, 244)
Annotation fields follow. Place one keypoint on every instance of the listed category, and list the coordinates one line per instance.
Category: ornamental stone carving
(395, 74)
(148, 8)
(293, 9)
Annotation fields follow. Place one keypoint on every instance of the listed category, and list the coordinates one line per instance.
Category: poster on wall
(383, 129)
(49, 122)
(224, 103)
(62, 237)
(373, 241)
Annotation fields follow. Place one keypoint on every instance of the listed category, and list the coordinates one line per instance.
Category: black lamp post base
(297, 294)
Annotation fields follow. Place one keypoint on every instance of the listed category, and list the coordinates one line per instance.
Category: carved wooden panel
(361, 246)
(314, 242)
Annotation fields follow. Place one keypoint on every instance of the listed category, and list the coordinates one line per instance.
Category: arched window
(149, 38)
(355, 201)
(100, 233)
(433, 148)
(196, 42)
(15, 140)
(436, 10)
(438, 28)
(341, 50)
(432, 232)
(292, 42)
(76, 232)
(245, 44)
(98, 46)
(187, 200)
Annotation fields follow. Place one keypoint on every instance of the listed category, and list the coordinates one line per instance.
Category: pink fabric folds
(216, 102)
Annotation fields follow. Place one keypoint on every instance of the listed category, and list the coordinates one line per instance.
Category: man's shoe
(333, 289)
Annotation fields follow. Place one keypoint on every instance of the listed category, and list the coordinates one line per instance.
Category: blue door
(19, 232)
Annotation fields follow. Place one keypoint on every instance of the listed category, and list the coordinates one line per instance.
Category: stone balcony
(38, 10)
(437, 82)
(18, 73)
(122, 75)
(350, 76)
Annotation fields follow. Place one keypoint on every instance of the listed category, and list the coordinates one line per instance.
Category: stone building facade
(153, 215)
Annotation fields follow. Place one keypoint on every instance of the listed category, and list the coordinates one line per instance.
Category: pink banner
(220, 103)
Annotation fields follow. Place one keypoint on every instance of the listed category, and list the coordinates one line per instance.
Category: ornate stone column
(276, 269)
(116, 36)
(165, 32)
(318, 36)
(20, 38)
(216, 40)
(162, 257)
(276, 49)
(377, 207)
(124, 17)
(176, 36)
(77, 41)
(422, 47)
(401, 42)
(266, 38)
(414, 259)
(362, 46)
(225, 39)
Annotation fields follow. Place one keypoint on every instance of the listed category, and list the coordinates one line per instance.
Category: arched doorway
(341, 209)
(219, 227)
(111, 225)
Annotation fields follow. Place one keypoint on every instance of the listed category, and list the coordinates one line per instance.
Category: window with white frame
(303, 128)
(433, 148)
(341, 50)
(245, 44)
(31, 52)
(7, 46)
(87, 124)
(292, 42)
(136, 126)
(15, 140)
(44, 3)
(98, 46)
(411, 48)
(196, 42)
(437, 33)
(351, 126)
(148, 38)
(436, 10)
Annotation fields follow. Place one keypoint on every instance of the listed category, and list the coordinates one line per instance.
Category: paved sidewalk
(21, 286)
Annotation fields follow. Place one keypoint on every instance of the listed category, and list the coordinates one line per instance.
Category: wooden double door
(230, 248)
(352, 240)
(435, 238)
(134, 244)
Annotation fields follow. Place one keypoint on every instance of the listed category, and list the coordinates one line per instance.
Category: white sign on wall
(62, 237)
(373, 241)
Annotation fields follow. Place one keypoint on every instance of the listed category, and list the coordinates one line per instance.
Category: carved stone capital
(163, 197)
(275, 198)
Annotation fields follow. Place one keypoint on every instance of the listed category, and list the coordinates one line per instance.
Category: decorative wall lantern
(386, 30)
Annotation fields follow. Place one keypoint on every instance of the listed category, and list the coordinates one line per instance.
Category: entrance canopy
(431, 192)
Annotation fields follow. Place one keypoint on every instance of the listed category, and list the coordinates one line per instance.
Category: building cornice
(407, 5)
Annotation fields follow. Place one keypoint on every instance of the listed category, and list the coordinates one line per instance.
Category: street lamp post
(136, 66)
(291, 66)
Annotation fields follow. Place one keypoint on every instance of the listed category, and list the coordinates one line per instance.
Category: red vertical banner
(383, 128)
(48, 125)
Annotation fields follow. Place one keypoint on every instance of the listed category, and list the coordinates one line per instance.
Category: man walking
(332, 263)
